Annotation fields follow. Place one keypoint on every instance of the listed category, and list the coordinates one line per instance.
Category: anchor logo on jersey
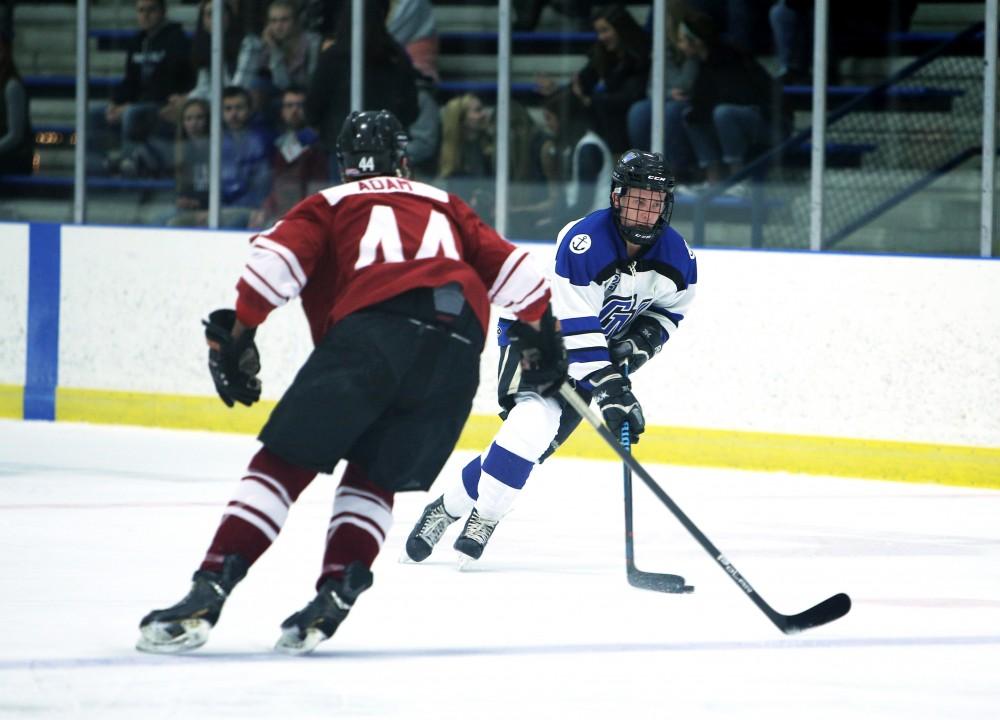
(579, 244)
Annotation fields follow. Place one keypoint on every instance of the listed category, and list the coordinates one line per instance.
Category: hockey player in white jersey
(623, 281)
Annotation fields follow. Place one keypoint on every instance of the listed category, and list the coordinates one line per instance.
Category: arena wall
(855, 365)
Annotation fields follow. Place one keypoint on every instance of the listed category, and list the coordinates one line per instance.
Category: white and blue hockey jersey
(597, 291)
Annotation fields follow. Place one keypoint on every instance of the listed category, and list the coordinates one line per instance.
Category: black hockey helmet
(372, 143)
(645, 170)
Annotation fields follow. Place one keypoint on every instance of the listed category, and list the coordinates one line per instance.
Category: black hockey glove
(640, 343)
(613, 395)
(544, 365)
(234, 364)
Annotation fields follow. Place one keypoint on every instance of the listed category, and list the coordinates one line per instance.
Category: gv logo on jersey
(579, 244)
(618, 312)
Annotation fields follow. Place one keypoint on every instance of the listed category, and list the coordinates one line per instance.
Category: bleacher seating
(467, 62)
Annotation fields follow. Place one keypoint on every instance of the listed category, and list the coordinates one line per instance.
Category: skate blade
(405, 559)
(464, 561)
(157, 638)
(291, 643)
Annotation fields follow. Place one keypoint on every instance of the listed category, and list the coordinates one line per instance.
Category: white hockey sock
(495, 497)
(491, 482)
(457, 501)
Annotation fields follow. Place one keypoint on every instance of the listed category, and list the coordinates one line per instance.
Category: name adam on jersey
(384, 183)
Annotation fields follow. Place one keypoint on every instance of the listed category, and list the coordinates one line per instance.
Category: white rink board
(13, 302)
(132, 304)
(880, 347)
(895, 348)
(859, 346)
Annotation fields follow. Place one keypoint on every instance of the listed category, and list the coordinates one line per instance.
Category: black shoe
(318, 620)
(475, 535)
(428, 530)
(185, 626)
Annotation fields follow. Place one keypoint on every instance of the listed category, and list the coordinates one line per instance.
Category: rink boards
(861, 366)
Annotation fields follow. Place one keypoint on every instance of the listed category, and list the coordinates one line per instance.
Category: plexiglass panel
(901, 151)
(904, 109)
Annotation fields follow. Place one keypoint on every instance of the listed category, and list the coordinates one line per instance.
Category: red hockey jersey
(355, 245)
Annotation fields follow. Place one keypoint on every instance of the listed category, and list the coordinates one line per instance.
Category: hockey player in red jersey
(396, 278)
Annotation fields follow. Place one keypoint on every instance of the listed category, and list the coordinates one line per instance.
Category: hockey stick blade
(833, 608)
(658, 582)
(827, 611)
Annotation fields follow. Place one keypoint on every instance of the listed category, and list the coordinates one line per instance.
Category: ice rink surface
(98, 525)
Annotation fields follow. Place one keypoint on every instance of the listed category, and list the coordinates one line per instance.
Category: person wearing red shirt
(396, 278)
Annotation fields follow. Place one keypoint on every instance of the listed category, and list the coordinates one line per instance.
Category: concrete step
(933, 16)
(57, 160)
(524, 68)
(53, 111)
(472, 17)
(100, 210)
(120, 16)
(45, 62)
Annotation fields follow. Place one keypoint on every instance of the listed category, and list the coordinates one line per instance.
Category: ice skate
(475, 535)
(185, 626)
(318, 620)
(426, 533)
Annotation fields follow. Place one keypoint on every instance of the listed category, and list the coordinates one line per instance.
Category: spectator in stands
(289, 55)
(425, 132)
(252, 14)
(390, 80)
(577, 163)
(466, 142)
(191, 157)
(241, 52)
(525, 141)
(747, 25)
(320, 16)
(17, 141)
(465, 161)
(615, 76)
(245, 175)
(529, 184)
(145, 105)
(679, 73)
(731, 100)
(298, 164)
(855, 27)
(412, 24)
(742, 23)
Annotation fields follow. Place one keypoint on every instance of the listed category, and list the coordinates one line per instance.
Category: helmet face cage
(370, 144)
(641, 170)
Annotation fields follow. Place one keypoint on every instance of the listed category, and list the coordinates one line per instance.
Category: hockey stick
(827, 611)
(660, 582)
